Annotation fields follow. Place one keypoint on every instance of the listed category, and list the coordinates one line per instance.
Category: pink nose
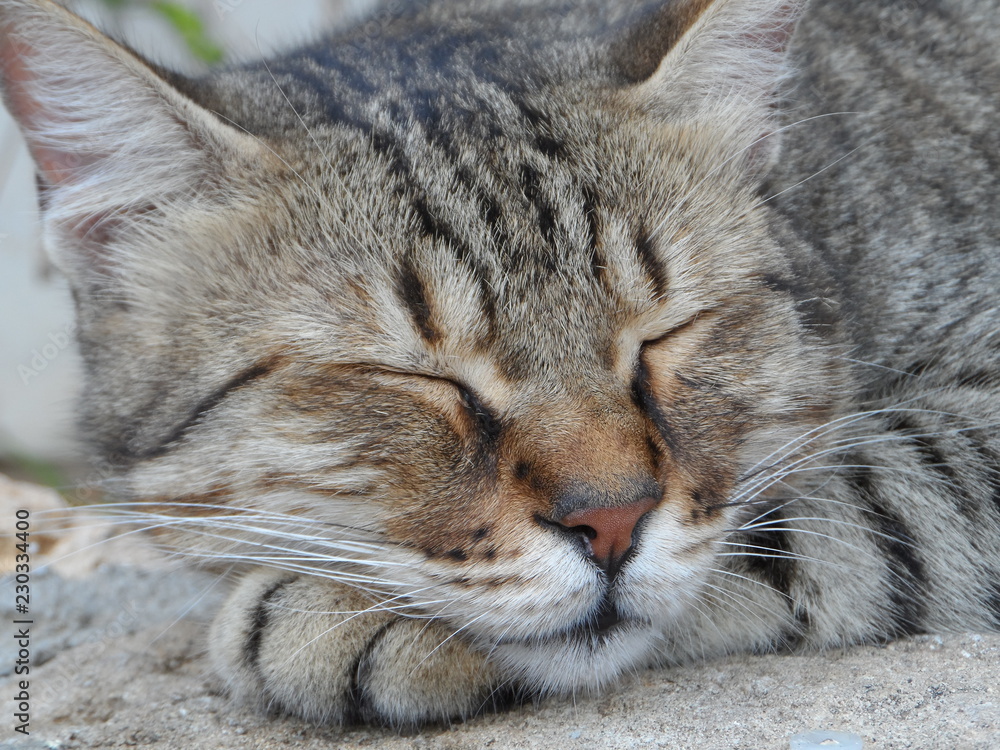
(608, 530)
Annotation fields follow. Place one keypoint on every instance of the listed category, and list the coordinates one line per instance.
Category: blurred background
(39, 364)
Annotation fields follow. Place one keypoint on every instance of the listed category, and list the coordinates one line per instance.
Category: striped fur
(365, 320)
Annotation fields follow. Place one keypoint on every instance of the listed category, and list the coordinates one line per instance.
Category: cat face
(511, 351)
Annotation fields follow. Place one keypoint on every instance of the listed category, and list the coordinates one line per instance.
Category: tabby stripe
(909, 578)
(926, 446)
(323, 58)
(643, 398)
(990, 460)
(208, 404)
(387, 145)
(259, 621)
(434, 228)
(976, 379)
(357, 710)
(534, 116)
(429, 116)
(909, 607)
(646, 250)
(951, 118)
(551, 147)
(813, 311)
(428, 224)
(767, 556)
(322, 85)
(780, 284)
(531, 185)
(411, 291)
(598, 264)
(540, 125)
(932, 457)
(489, 209)
(383, 143)
(338, 111)
(992, 603)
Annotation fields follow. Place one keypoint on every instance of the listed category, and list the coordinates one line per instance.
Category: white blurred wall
(39, 367)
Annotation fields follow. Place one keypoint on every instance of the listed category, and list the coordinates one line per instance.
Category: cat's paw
(304, 646)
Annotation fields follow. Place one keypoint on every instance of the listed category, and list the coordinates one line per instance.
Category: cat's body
(509, 343)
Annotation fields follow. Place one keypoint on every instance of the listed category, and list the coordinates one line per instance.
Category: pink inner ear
(16, 78)
(57, 167)
(775, 38)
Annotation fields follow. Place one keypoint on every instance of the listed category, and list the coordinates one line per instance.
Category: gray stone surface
(114, 602)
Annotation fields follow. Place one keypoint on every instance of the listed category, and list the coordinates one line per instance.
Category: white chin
(578, 662)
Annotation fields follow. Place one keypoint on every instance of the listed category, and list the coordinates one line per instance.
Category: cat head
(480, 308)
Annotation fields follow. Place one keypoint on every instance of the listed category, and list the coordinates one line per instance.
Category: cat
(502, 348)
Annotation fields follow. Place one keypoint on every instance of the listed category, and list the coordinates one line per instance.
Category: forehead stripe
(413, 294)
(650, 262)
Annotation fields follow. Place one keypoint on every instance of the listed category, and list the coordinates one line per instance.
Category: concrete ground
(117, 661)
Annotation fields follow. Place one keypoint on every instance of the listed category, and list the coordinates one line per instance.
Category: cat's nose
(607, 532)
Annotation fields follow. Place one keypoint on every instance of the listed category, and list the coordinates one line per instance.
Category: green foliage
(189, 25)
(31, 469)
(182, 20)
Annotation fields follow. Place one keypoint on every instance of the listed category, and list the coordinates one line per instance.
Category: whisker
(747, 579)
(191, 605)
(817, 173)
(771, 527)
(433, 651)
(377, 607)
(718, 168)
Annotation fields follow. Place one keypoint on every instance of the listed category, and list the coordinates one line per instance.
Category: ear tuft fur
(725, 63)
(113, 142)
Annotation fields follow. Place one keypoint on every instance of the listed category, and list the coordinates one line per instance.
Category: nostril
(580, 535)
(608, 531)
(587, 531)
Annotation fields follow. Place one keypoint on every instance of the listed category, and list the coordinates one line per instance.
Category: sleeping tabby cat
(506, 347)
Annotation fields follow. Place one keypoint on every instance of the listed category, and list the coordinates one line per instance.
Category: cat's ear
(718, 61)
(114, 143)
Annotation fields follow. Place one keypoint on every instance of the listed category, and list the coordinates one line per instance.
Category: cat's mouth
(606, 622)
(587, 655)
(601, 624)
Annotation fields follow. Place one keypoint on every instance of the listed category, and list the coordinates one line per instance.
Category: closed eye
(487, 423)
(642, 393)
(677, 330)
